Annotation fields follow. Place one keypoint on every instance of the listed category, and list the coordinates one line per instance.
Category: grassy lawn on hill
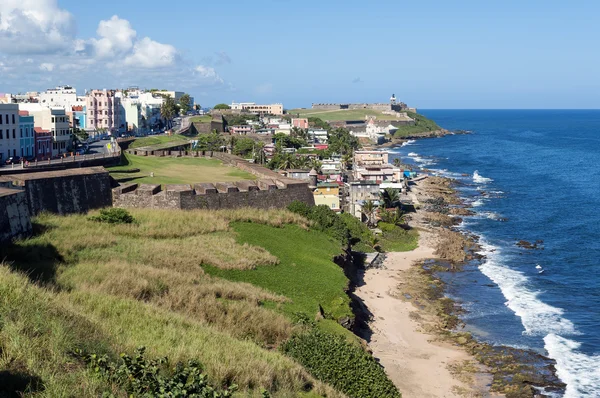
(182, 170)
(157, 139)
(201, 119)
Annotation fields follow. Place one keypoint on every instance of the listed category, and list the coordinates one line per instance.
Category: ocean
(530, 175)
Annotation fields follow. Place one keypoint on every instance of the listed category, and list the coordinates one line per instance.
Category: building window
(13, 118)
(14, 134)
(1, 134)
(7, 123)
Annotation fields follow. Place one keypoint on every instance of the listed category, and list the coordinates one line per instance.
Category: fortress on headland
(392, 106)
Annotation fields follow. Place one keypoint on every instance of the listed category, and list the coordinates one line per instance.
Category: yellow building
(328, 195)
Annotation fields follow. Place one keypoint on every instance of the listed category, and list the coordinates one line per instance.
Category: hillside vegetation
(422, 125)
(158, 139)
(237, 291)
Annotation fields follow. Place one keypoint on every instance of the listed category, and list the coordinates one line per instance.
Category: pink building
(43, 144)
(242, 129)
(103, 110)
(300, 123)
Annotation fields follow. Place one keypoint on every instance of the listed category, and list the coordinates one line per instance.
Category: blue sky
(431, 54)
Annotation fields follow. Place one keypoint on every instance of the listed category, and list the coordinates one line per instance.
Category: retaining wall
(15, 221)
(64, 191)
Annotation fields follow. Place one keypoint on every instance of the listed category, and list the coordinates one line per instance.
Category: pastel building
(327, 194)
(57, 123)
(10, 144)
(300, 123)
(43, 144)
(27, 134)
(103, 111)
(270, 109)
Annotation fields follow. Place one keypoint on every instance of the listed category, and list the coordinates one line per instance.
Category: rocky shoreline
(515, 372)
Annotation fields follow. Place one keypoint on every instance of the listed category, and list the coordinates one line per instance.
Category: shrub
(142, 377)
(324, 219)
(386, 227)
(345, 366)
(359, 232)
(299, 207)
(113, 215)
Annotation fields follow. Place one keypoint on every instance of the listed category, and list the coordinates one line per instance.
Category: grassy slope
(339, 115)
(422, 125)
(178, 170)
(157, 139)
(121, 286)
(305, 273)
(200, 119)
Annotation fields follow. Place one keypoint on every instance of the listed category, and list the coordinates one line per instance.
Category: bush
(386, 227)
(113, 216)
(299, 207)
(359, 232)
(324, 219)
(345, 366)
(141, 377)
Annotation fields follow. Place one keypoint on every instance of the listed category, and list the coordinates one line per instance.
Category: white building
(62, 96)
(9, 131)
(318, 136)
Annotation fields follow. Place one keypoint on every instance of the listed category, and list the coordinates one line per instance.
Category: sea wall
(63, 191)
(15, 221)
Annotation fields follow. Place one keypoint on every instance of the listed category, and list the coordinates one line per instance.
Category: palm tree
(397, 162)
(301, 162)
(390, 197)
(346, 161)
(287, 162)
(316, 164)
(368, 209)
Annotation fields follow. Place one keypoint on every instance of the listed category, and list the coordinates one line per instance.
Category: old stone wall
(64, 191)
(15, 221)
(94, 160)
(263, 194)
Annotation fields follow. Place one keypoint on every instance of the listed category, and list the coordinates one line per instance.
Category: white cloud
(148, 53)
(116, 37)
(46, 66)
(208, 73)
(35, 27)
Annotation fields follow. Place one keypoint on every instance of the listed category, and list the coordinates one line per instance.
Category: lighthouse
(393, 99)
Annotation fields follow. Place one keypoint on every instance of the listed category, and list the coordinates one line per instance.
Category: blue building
(81, 119)
(26, 134)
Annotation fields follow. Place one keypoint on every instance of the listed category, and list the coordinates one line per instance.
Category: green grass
(422, 125)
(306, 273)
(341, 115)
(177, 170)
(157, 139)
(109, 288)
(399, 240)
(201, 119)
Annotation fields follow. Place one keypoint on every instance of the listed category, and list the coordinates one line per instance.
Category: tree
(221, 106)
(342, 142)
(368, 209)
(301, 162)
(316, 164)
(210, 142)
(397, 162)
(346, 160)
(168, 110)
(245, 146)
(390, 197)
(185, 103)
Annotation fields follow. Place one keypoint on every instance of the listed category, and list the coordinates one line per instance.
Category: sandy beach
(413, 359)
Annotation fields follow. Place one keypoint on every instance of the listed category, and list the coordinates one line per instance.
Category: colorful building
(56, 121)
(27, 134)
(327, 194)
(43, 143)
(301, 123)
(103, 112)
(9, 131)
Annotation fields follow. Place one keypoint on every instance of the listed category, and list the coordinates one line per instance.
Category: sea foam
(579, 371)
(409, 142)
(479, 179)
(537, 317)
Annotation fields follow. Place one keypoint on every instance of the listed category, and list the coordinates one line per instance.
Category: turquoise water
(531, 175)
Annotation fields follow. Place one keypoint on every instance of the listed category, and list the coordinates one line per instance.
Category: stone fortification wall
(15, 221)
(64, 191)
(263, 194)
(373, 106)
(70, 162)
(271, 190)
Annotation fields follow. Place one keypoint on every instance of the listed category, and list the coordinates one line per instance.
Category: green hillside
(236, 291)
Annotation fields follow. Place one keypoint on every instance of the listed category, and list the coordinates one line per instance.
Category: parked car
(13, 160)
